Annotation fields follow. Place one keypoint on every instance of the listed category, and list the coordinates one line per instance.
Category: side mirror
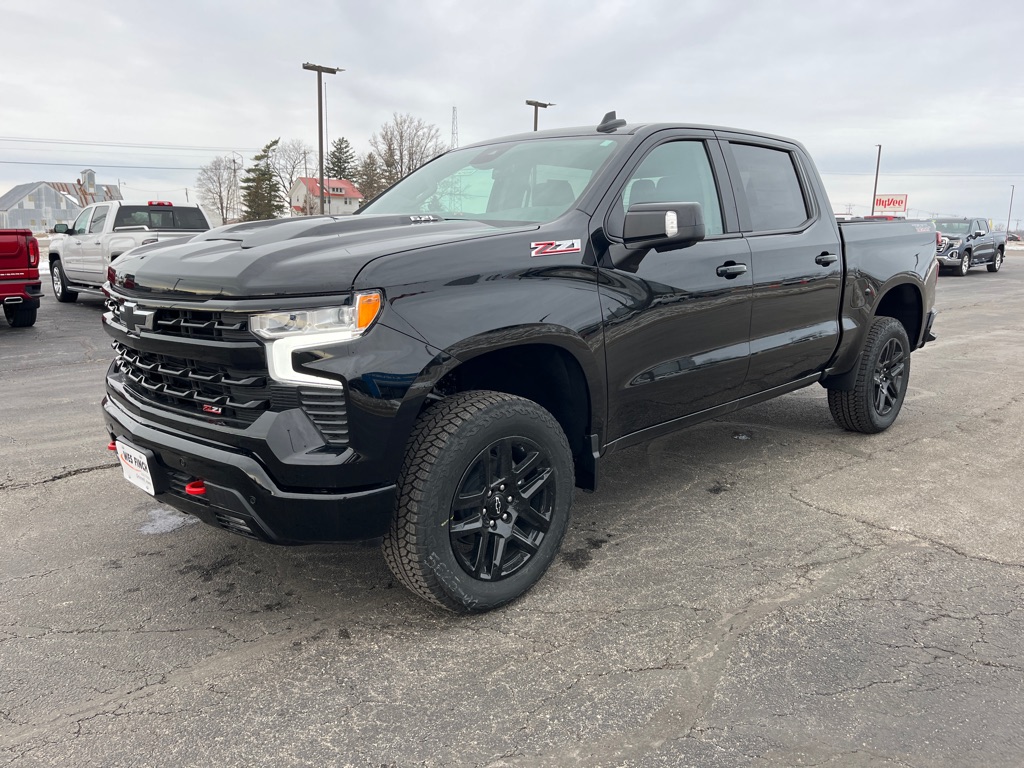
(978, 233)
(663, 226)
(60, 229)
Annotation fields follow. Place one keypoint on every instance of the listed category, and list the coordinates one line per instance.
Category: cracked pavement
(760, 590)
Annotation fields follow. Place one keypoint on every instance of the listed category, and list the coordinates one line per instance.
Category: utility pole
(320, 70)
(537, 106)
(878, 164)
(1010, 211)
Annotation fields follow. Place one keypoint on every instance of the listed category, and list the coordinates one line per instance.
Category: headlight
(353, 320)
(289, 332)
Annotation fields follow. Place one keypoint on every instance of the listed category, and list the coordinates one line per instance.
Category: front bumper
(950, 258)
(241, 497)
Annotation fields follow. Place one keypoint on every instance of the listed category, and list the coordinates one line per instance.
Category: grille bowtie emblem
(135, 318)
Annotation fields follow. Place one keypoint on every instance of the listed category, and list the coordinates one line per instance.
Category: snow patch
(165, 520)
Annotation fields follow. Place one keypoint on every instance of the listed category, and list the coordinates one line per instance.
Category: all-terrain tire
(61, 292)
(883, 375)
(482, 503)
(20, 317)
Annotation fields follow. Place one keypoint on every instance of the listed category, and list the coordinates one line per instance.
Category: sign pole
(878, 164)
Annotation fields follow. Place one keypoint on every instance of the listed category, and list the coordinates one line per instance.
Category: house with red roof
(341, 198)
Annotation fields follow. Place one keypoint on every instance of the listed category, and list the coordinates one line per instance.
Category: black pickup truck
(441, 369)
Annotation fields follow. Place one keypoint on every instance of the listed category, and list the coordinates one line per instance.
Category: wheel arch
(904, 302)
(550, 366)
(900, 299)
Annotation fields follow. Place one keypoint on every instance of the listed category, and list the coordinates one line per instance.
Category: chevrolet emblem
(135, 318)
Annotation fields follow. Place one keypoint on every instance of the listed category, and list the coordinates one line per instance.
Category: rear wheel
(997, 261)
(20, 317)
(483, 501)
(883, 375)
(60, 283)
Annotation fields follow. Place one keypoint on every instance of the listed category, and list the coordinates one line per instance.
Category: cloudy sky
(146, 92)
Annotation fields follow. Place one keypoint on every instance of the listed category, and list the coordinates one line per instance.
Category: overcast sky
(938, 84)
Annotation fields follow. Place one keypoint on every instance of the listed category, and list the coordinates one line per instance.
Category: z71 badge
(555, 247)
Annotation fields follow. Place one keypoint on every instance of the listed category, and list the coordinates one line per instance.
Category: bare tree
(290, 160)
(404, 144)
(217, 184)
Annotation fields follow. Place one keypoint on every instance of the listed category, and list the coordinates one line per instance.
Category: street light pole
(320, 71)
(537, 106)
(878, 164)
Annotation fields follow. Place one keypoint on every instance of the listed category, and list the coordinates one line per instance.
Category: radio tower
(455, 192)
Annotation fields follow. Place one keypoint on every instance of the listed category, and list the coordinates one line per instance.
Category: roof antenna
(609, 123)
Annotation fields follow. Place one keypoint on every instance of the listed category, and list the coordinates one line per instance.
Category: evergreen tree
(261, 191)
(341, 160)
(369, 176)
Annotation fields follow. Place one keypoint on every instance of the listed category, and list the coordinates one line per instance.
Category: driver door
(71, 255)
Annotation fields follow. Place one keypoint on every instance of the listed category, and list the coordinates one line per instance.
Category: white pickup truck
(81, 253)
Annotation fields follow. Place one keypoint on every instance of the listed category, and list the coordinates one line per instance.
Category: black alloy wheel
(888, 376)
(881, 382)
(482, 501)
(502, 509)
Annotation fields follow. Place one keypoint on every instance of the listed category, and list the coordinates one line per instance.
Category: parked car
(20, 288)
(443, 367)
(1013, 237)
(80, 254)
(966, 243)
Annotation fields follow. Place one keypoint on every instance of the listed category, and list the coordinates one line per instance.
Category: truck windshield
(160, 217)
(952, 227)
(533, 180)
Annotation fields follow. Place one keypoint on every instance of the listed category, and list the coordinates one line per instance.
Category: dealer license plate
(135, 466)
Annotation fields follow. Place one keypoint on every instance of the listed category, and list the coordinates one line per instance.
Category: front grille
(192, 323)
(207, 365)
(194, 387)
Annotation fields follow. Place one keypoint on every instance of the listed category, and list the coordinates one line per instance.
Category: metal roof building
(38, 205)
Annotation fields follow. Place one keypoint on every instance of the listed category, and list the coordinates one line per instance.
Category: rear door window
(771, 185)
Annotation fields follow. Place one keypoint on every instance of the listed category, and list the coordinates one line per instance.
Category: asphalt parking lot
(761, 590)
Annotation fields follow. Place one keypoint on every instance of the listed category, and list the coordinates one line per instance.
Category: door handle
(78, 242)
(730, 269)
(96, 242)
(826, 259)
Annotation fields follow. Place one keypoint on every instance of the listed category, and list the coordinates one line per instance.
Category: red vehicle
(20, 290)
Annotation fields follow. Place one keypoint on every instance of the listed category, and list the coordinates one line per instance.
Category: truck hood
(305, 256)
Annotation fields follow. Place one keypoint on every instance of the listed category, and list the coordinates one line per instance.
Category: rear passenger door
(795, 257)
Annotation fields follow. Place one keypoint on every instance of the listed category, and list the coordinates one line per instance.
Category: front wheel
(997, 261)
(883, 375)
(483, 501)
(965, 264)
(60, 283)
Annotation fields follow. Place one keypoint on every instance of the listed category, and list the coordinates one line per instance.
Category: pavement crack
(8, 486)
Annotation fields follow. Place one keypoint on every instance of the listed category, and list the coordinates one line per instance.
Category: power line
(26, 139)
(100, 165)
(926, 175)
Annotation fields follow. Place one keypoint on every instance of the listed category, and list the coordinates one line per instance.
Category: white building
(341, 198)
